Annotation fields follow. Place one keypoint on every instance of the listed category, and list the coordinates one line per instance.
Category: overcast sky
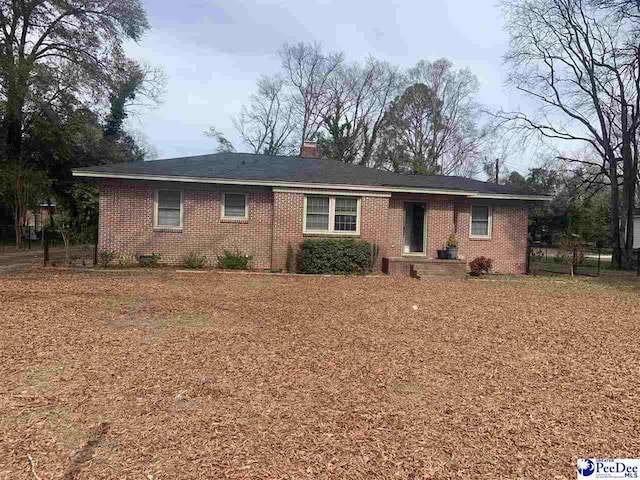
(213, 52)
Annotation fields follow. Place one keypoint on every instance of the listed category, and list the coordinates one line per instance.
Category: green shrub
(124, 261)
(336, 256)
(193, 260)
(480, 266)
(234, 261)
(106, 257)
(152, 260)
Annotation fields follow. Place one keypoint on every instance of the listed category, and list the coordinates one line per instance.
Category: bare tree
(579, 62)
(434, 127)
(359, 98)
(623, 8)
(407, 132)
(267, 125)
(308, 71)
(224, 145)
(456, 135)
(386, 84)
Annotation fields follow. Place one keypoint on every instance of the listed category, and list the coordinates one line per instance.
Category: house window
(168, 208)
(346, 214)
(317, 213)
(234, 206)
(331, 214)
(480, 221)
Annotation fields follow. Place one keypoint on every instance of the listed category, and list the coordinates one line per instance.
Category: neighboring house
(36, 220)
(260, 204)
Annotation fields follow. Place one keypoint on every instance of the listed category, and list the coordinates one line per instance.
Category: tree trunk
(20, 212)
(615, 212)
(66, 238)
(630, 194)
(16, 97)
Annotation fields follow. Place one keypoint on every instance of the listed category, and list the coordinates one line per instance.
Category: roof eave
(276, 183)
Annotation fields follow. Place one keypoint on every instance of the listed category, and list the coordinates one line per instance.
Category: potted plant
(452, 247)
(442, 253)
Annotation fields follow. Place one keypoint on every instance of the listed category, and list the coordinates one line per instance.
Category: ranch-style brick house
(261, 204)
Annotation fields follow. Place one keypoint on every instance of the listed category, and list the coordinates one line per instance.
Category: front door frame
(423, 253)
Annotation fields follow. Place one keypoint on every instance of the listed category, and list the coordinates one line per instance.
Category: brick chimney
(309, 150)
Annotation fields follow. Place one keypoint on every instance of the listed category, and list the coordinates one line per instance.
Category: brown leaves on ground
(163, 376)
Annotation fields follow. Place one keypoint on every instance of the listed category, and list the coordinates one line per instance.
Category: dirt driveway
(12, 260)
(161, 375)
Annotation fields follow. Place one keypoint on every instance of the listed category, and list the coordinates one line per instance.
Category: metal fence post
(45, 245)
(95, 246)
(599, 252)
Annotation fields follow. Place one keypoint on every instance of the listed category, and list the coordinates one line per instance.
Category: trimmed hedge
(338, 256)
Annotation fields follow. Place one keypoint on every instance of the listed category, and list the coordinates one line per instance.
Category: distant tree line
(577, 209)
(424, 120)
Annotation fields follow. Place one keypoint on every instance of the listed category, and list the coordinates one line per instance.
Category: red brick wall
(126, 226)
(508, 244)
(288, 210)
(374, 225)
(439, 221)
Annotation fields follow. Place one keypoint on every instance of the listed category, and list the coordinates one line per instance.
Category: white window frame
(156, 205)
(223, 214)
(332, 216)
(489, 226)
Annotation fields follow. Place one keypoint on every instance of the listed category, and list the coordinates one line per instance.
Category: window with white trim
(168, 211)
(234, 206)
(346, 214)
(331, 214)
(480, 221)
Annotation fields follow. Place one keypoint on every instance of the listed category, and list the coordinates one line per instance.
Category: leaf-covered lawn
(165, 376)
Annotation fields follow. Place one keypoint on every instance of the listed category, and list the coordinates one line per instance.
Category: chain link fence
(32, 240)
(573, 258)
(46, 241)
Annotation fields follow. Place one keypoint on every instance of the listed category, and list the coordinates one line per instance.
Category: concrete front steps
(439, 269)
(421, 267)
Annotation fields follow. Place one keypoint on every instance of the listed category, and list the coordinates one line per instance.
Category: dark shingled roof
(266, 168)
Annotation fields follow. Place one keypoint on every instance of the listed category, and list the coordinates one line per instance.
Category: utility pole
(497, 171)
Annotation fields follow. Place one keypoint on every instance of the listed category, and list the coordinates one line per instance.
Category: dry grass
(165, 376)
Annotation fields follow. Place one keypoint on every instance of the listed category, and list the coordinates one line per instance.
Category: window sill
(167, 229)
(480, 238)
(234, 220)
(330, 234)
